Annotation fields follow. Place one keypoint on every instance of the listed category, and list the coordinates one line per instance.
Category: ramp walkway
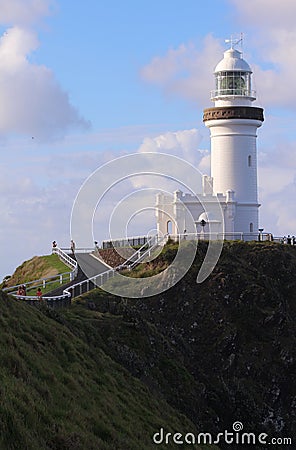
(94, 273)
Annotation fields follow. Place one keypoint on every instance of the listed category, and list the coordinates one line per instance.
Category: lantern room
(232, 77)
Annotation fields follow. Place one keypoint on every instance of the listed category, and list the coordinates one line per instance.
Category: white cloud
(36, 207)
(24, 12)
(272, 35)
(40, 108)
(275, 85)
(277, 188)
(205, 163)
(266, 13)
(185, 71)
(37, 191)
(184, 143)
(32, 217)
(31, 100)
(277, 209)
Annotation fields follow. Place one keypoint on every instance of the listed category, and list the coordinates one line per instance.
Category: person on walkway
(73, 247)
(21, 291)
(54, 244)
(39, 294)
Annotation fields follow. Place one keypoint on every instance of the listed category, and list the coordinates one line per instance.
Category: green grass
(36, 268)
(48, 287)
(60, 391)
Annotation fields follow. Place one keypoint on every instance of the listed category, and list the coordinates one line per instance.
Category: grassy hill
(109, 372)
(60, 391)
(36, 268)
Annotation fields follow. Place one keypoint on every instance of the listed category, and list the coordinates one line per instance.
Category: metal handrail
(233, 92)
(99, 279)
(235, 235)
(138, 255)
(78, 249)
(43, 281)
(65, 258)
(36, 298)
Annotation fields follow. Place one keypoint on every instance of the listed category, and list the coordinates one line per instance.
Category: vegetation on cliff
(219, 352)
(36, 268)
(102, 373)
(60, 391)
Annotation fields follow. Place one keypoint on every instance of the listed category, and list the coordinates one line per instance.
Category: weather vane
(235, 40)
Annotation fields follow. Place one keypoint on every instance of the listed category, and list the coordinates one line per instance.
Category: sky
(83, 83)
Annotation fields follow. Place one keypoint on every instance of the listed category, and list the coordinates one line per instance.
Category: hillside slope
(59, 391)
(36, 268)
(221, 351)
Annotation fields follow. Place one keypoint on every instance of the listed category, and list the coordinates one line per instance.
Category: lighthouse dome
(233, 81)
(232, 61)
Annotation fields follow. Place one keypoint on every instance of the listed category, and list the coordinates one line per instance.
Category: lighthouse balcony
(231, 93)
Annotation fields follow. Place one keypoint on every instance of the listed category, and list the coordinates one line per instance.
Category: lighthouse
(233, 124)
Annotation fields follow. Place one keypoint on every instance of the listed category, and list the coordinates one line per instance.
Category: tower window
(251, 227)
(169, 227)
(249, 160)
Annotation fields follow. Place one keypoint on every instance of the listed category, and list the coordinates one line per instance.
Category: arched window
(251, 227)
(169, 227)
(249, 160)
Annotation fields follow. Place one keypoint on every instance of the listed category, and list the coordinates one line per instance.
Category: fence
(148, 246)
(62, 278)
(229, 236)
(98, 280)
(125, 242)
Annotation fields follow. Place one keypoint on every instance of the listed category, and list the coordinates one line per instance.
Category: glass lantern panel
(233, 83)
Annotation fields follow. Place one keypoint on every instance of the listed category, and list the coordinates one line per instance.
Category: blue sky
(82, 83)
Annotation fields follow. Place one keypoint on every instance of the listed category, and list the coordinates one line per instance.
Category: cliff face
(221, 351)
(59, 391)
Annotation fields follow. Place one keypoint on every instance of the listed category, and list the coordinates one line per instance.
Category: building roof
(232, 61)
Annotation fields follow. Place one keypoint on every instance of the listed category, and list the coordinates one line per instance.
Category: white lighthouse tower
(233, 123)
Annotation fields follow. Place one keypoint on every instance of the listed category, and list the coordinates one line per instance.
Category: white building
(233, 123)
